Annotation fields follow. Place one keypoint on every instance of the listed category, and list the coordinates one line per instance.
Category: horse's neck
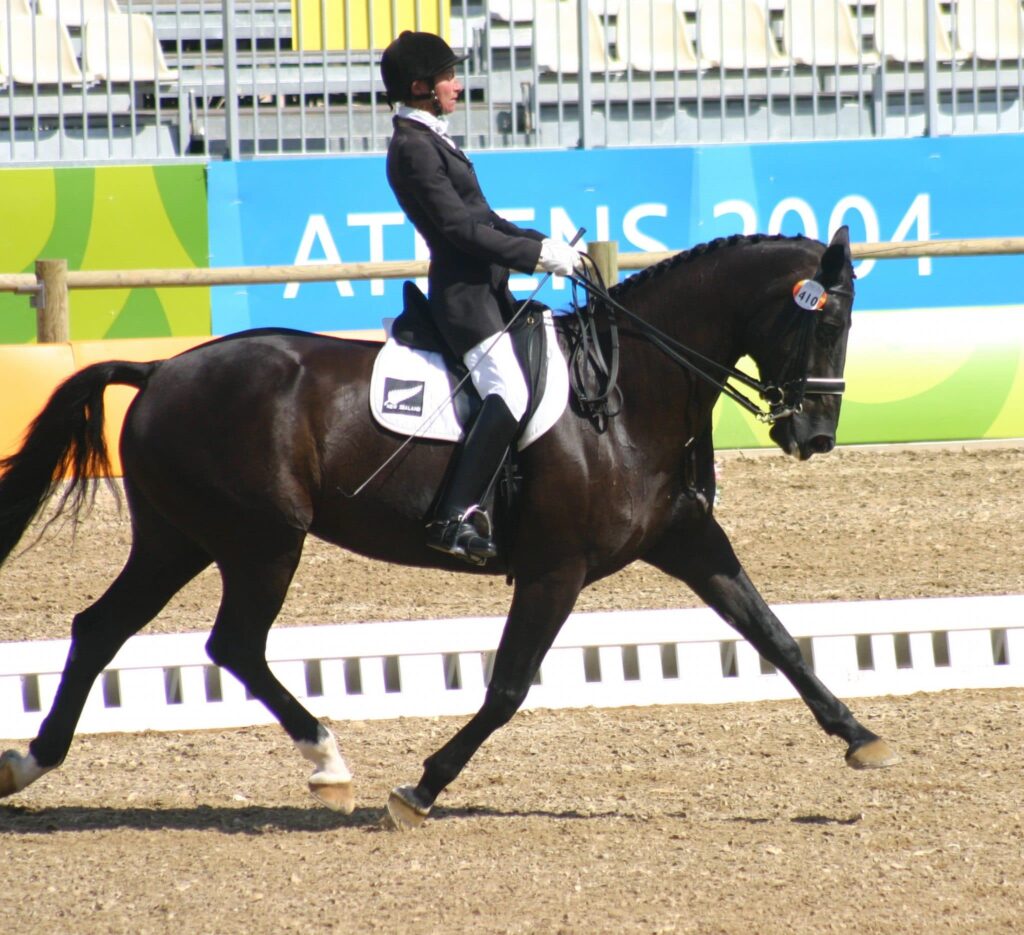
(693, 310)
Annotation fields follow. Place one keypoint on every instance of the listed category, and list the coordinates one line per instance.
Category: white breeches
(494, 368)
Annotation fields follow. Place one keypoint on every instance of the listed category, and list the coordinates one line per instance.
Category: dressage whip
(458, 386)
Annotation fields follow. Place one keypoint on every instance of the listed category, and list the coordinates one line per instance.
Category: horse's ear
(836, 258)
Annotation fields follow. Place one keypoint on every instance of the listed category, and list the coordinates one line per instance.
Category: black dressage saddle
(415, 328)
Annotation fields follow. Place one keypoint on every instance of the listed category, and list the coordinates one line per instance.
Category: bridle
(783, 397)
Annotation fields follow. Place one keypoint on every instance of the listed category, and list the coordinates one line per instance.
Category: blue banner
(341, 210)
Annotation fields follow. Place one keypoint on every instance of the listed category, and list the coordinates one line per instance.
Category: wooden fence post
(52, 303)
(605, 254)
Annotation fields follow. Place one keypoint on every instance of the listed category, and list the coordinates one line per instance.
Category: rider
(471, 252)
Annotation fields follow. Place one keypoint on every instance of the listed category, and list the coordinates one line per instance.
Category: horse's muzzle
(802, 441)
(818, 445)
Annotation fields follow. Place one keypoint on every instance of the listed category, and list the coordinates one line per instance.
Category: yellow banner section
(363, 24)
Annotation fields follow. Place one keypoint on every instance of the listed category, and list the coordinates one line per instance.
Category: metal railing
(151, 80)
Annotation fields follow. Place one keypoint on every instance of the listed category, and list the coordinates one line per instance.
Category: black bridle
(784, 397)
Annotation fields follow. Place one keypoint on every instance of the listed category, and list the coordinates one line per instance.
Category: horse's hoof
(8, 786)
(405, 811)
(875, 754)
(337, 796)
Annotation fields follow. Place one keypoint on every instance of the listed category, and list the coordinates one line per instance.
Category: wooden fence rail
(52, 280)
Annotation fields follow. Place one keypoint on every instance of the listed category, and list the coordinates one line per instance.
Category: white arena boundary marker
(435, 667)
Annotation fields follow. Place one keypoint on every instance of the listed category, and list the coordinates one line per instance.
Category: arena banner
(936, 349)
(365, 25)
(109, 217)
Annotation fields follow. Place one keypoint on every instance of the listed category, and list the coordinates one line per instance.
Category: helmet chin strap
(435, 104)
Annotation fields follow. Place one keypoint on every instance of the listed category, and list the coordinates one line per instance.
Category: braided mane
(687, 256)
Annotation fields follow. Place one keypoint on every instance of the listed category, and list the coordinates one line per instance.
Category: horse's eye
(827, 333)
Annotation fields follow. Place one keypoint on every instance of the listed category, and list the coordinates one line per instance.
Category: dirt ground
(695, 819)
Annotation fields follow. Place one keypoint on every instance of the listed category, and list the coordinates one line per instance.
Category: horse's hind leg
(702, 556)
(539, 608)
(160, 563)
(255, 585)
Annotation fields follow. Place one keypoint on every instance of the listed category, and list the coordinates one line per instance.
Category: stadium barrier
(440, 667)
(29, 373)
(50, 284)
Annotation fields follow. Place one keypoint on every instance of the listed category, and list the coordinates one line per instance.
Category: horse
(236, 450)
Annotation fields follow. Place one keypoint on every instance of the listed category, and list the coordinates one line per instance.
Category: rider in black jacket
(472, 250)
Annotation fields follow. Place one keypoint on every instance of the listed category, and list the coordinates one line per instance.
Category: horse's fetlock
(217, 652)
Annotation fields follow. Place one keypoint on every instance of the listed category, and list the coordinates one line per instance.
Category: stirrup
(461, 537)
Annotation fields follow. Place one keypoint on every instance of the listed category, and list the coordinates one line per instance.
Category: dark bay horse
(235, 451)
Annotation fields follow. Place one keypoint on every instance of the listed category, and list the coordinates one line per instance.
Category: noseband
(783, 397)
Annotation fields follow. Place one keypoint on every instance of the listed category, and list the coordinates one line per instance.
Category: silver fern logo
(403, 397)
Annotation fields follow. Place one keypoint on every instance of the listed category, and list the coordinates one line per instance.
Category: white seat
(651, 36)
(822, 32)
(522, 11)
(991, 30)
(40, 51)
(123, 47)
(76, 13)
(15, 8)
(735, 34)
(556, 45)
(901, 31)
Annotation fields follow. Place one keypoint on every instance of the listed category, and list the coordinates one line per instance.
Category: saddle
(415, 328)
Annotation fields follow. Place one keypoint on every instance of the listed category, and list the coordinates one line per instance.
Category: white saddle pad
(410, 393)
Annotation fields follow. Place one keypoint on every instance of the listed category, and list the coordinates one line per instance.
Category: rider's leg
(499, 381)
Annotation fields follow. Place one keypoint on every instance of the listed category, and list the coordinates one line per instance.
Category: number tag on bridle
(810, 294)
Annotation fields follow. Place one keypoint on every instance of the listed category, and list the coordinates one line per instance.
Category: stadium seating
(556, 41)
(901, 34)
(15, 8)
(823, 33)
(651, 36)
(40, 52)
(991, 30)
(76, 13)
(735, 35)
(123, 47)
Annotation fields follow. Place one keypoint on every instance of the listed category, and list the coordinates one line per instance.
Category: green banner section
(111, 217)
(918, 375)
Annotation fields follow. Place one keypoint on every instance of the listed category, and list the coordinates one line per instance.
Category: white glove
(559, 258)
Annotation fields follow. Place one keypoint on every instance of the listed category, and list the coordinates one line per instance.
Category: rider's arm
(422, 175)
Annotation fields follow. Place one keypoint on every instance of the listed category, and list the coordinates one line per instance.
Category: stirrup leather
(468, 536)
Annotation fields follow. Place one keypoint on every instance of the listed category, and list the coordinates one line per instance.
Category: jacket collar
(421, 126)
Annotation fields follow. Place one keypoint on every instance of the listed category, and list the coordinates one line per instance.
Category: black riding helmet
(414, 56)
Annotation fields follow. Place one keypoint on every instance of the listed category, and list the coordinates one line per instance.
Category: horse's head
(806, 366)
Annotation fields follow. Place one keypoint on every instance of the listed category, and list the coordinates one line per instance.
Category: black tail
(65, 441)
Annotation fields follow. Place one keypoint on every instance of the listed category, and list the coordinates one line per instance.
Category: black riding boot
(451, 530)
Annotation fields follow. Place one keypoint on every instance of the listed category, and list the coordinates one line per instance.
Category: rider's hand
(559, 258)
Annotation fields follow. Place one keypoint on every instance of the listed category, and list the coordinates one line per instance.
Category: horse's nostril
(822, 444)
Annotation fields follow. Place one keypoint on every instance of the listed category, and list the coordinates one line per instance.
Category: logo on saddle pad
(403, 397)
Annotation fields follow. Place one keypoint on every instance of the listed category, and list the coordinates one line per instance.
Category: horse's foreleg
(156, 569)
(539, 608)
(702, 557)
(253, 593)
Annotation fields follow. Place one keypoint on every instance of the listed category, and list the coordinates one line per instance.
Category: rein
(783, 398)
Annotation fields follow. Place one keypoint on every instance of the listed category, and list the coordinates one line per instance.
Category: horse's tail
(65, 441)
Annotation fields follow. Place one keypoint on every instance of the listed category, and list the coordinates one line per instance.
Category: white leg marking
(326, 757)
(17, 771)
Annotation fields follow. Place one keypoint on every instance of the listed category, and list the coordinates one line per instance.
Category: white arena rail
(435, 667)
